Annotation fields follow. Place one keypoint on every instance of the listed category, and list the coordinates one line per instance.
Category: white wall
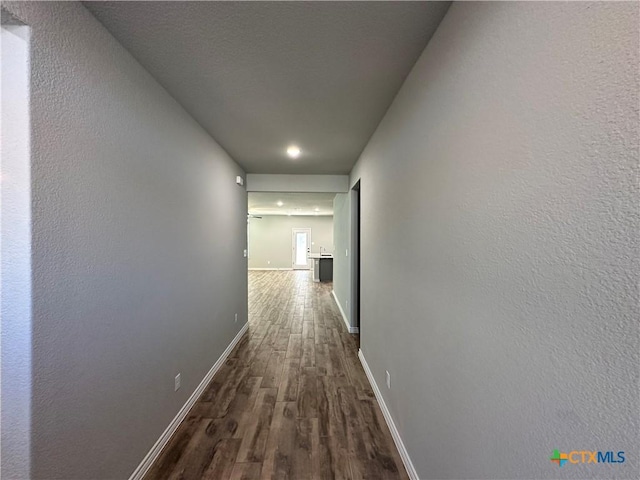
(138, 231)
(15, 241)
(270, 238)
(500, 243)
(341, 260)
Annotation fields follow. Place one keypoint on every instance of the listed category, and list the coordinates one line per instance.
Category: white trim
(350, 329)
(155, 451)
(278, 269)
(408, 465)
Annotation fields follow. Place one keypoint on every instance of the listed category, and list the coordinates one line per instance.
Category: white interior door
(301, 246)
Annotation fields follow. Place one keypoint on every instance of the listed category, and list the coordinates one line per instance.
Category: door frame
(356, 204)
(294, 231)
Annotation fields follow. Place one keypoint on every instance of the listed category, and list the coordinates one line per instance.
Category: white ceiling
(292, 203)
(259, 76)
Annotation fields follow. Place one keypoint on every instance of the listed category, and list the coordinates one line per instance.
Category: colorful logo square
(559, 457)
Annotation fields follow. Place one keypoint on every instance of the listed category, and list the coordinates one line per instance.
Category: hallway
(292, 400)
(469, 170)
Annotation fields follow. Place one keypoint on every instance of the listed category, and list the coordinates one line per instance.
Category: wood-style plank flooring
(291, 402)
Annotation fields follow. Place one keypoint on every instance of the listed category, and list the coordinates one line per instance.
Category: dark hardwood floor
(292, 400)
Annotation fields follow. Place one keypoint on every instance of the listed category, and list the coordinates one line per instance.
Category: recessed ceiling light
(317, 209)
(280, 203)
(293, 151)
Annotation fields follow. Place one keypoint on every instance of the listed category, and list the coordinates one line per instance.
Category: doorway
(300, 248)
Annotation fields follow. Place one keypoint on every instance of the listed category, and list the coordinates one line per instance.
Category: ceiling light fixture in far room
(293, 151)
(280, 203)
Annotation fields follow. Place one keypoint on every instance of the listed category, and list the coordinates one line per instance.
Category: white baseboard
(283, 269)
(155, 451)
(344, 316)
(411, 471)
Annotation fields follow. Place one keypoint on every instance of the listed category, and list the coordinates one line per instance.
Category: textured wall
(270, 238)
(138, 232)
(342, 241)
(500, 243)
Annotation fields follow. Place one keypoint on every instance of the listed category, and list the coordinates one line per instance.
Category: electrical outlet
(388, 380)
(236, 320)
(177, 383)
(346, 252)
(268, 262)
(245, 253)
